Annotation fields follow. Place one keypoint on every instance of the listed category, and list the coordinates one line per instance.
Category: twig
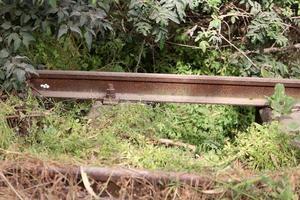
(10, 185)
(194, 47)
(87, 184)
(275, 49)
(296, 17)
(229, 31)
(168, 142)
(234, 14)
(183, 45)
(12, 152)
(140, 56)
(239, 50)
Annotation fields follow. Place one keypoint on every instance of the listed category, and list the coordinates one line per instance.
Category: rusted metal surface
(116, 174)
(111, 87)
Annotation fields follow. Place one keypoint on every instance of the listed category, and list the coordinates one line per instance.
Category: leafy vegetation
(262, 147)
(242, 38)
(206, 126)
(130, 135)
(205, 37)
(280, 103)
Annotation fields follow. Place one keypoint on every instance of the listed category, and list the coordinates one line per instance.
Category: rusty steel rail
(116, 174)
(112, 87)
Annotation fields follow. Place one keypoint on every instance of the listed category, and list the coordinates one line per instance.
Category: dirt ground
(30, 178)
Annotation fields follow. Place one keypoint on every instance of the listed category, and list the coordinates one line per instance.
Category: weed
(207, 126)
(61, 133)
(280, 103)
(10, 107)
(127, 135)
(262, 147)
(6, 133)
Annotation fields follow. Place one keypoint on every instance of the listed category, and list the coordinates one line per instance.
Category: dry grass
(29, 178)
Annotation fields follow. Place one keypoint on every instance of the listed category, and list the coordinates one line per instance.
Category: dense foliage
(240, 37)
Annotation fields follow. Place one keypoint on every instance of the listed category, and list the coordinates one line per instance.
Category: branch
(239, 50)
(168, 142)
(140, 57)
(183, 45)
(275, 49)
(195, 47)
(296, 17)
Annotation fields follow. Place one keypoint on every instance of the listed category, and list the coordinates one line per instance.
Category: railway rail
(113, 87)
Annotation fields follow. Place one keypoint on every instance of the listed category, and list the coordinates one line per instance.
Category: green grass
(262, 147)
(128, 135)
(206, 126)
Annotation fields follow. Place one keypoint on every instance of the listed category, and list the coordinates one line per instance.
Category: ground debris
(30, 178)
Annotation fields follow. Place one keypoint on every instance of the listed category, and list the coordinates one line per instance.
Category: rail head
(146, 87)
(165, 78)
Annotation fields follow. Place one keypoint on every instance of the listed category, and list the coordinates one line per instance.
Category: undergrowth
(207, 126)
(129, 135)
(262, 147)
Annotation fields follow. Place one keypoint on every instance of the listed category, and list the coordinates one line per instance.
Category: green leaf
(215, 23)
(17, 43)
(83, 20)
(30, 69)
(88, 39)
(20, 74)
(4, 53)
(203, 45)
(280, 102)
(143, 27)
(6, 25)
(12, 37)
(76, 29)
(233, 19)
(25, 18)
(265, 73)
(53, 3)
(27, 38)
(63, 29)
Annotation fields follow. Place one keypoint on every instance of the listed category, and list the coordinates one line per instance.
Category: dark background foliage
(215, 37)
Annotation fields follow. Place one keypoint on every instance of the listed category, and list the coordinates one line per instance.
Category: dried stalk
(168, 142)
(10, 186)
